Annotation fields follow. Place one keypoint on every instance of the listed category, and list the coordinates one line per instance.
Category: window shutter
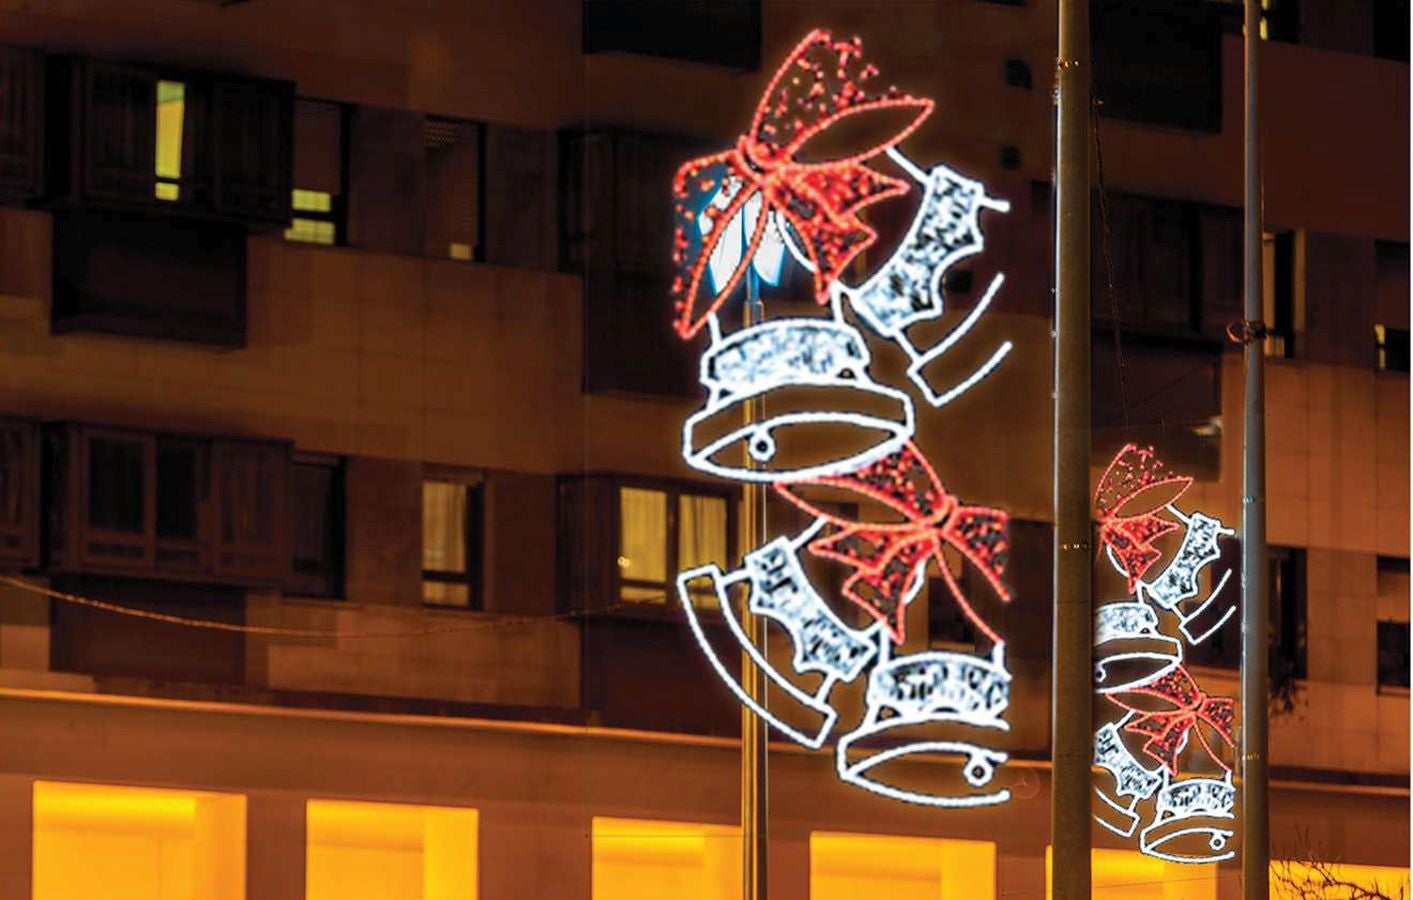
(251, 481)
(21, 123)
(252, 123)
(118, 121)
(19, 494)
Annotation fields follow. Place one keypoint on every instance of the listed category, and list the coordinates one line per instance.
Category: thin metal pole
(1073, 675)
(754, 750)
(1255, 813)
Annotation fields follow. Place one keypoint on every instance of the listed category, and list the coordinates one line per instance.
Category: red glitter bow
(1135, 471)
(1167, 730)
(888, 557)
(821, 82)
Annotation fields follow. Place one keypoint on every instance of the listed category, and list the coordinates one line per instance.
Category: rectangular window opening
(372, 851)
(455, 169)
(845, 866)
(643, 859)
(171, 116)
(663, 531)
(452, 521)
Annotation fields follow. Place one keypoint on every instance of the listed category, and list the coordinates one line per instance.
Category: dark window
(617, 232)
(1393, 654)
(251, 489)
(453, 516)
(454, 188)
(1222, 648)
(183, 504)
(1393, 348)
(320, 173)
(1391, 29)
(719, 32)
(1158, 62)
(316, 527)
(19, 493)
(190, 143)
(1146, 263)
(1167, 394)
(1280, 288)
(21, 123)
(117, 484)
(1288, 604)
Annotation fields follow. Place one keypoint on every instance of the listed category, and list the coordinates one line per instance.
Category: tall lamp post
(1072, 679)
(1255, 677)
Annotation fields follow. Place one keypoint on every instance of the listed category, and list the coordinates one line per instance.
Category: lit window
(663, 531)
(452, 513)
(373, 851)
(171, 115)
(453, 188)
(1131, 875)
(847, 866)
(129, 843)
(1297, 881)
(642, 859)
(317, 202)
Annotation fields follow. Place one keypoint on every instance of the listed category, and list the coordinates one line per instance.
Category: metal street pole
(754, 785)
(1255, 813)
(1073, 676)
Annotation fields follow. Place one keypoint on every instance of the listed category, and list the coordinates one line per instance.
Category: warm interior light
(1391, 881)
(171, 113)
(98, 840)
(643, 859)
(374, 851)
(1130, 875)
(848, 866)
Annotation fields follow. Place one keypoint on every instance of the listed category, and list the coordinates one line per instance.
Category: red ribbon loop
(821, 82)
(1167, 730)
(1133, 472)
(887, 558)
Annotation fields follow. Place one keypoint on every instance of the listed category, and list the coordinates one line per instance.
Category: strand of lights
(747, 212)
(935, 688)
(1162, 704)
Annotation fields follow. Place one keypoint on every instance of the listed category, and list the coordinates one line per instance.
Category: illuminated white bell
(823, 413)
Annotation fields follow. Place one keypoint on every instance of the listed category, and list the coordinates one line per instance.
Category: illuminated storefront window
(847, 866)
(1131, 875)
(374, 851)
(642, 859)
(129, 843)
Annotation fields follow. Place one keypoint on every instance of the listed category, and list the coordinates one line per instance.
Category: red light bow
(1167, 730)
(1135, 471)
(887, 557)
(821, 82)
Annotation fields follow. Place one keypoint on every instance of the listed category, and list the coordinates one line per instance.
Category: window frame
(1386, 687)
(478, 249)
(673, 489)
(338, 203)
(339, 501)
(474, 576)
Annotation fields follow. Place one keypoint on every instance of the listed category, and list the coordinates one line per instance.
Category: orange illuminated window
(848, 866)
(129, 843)
(642, 859)
(1130, 875)
(374, 851)
(1296, 881)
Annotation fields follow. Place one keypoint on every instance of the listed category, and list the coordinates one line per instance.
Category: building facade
(347, 330)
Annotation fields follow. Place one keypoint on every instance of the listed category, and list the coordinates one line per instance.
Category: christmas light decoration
(1188, 807)
(940, 689)
(741, 217)
(1162, 705)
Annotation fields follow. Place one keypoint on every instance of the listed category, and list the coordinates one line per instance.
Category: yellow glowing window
(1335, 881)
(128, 843)
(885, 867)
(376, 851)
(1130, 875)
(317, 225)
(662, 531)
(171, 113)
(643, 859)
